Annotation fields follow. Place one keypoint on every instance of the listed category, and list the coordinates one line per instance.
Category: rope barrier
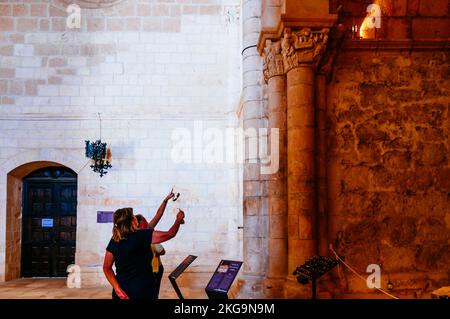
(358, 275)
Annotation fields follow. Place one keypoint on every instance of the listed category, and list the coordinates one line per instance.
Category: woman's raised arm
(162, 236)
(160, 211)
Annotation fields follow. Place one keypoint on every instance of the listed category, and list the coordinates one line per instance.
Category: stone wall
(400, 19)
(388, 166)
(150, 68)
(377, 165)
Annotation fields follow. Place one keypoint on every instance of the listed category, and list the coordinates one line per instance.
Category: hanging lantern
(97, 152)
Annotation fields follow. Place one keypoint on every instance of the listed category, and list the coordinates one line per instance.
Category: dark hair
(123, 224)
(143, 224)
(139, 218)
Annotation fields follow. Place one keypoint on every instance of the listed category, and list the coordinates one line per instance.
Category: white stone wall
(149, 67)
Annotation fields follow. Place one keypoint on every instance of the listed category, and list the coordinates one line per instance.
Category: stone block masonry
(149, 67)
(176, 50)
(367, 140)
(389, 165)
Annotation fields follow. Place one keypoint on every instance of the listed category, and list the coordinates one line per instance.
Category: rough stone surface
(389, 153)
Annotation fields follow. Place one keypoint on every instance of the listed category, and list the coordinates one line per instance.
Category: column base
(251, 287)
(295, 290)
(255, 287)
(326, 288)
(274, 288)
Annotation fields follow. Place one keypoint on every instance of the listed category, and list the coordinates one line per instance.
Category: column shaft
(277, 186)
(302, 242)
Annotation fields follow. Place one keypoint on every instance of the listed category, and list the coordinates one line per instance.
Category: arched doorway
(31, 212)
(49, 217)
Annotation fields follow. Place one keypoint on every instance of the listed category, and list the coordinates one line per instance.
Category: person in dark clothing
(130, 250)
(158, 251)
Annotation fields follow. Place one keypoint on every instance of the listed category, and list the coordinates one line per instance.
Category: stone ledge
(407, 44)
(443, 293)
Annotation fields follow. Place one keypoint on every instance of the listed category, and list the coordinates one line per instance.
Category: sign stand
(178, 271)
(222, 279)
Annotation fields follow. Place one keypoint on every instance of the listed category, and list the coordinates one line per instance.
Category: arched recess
(14, 203)
(13, 171)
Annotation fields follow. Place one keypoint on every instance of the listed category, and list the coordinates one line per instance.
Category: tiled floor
(191, 285)
(48, 289)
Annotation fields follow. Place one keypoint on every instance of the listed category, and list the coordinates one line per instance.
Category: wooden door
(49, 222)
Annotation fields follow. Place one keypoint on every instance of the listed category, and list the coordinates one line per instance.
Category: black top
(133, 260)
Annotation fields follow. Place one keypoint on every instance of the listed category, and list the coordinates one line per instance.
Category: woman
(157, 251)
(130, 250)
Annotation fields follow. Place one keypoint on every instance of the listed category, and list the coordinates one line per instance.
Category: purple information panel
(104, 217)
(224, 276)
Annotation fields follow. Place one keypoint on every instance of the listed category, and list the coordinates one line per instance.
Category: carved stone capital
(272, 60)
(303, 47)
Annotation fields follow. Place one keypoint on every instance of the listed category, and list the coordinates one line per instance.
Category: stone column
(254, 219)
(277, 183)
(301, 51)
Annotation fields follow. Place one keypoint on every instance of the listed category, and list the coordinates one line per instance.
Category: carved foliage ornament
(304, 46)
(93, 3)
(272, 60)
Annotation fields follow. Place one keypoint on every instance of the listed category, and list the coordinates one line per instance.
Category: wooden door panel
(48, 248)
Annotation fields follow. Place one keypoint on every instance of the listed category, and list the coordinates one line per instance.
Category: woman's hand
(171, 194)
(120, 293)
(180, 216)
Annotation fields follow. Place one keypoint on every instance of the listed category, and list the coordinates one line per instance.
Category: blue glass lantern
(97, 152)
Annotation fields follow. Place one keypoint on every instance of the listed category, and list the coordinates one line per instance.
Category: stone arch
(70, 159)
(15, 169)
